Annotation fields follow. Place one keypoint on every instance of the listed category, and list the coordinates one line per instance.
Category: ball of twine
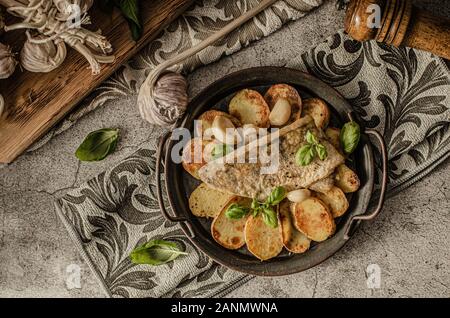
(167, 101)
(163, 96)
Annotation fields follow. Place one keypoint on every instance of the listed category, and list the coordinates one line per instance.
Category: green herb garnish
(156, 252)
(98, 145)
(276, 196)
(236, 211)
(269, 215)
(306, 154)
(350, 136)
(220, 150)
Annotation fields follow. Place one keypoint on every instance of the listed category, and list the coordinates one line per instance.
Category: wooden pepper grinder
(399, 23)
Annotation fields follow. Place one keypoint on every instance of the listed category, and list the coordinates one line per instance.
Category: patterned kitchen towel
(196, 24)
(403, 93)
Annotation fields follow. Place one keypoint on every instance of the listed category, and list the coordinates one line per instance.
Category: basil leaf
(236, 211)
(255, 204)
(270, 217)
(98, 145)
(130, 10)
(321, 151)
(350, 136)
(156, 252)
(305, 155)
(276, 196)
(310, 138)
(220, 150)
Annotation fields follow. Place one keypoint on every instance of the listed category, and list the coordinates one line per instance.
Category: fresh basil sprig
(156, 252)
(350, 136)
(306, 154)
(220, 150)
(276, 196)
(236, 211)
(130, 11)
(98, 145)
(269, 215)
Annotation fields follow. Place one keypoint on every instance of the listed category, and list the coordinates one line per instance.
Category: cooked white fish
(245, 179)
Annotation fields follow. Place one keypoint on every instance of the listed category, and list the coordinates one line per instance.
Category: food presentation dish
(278, 223)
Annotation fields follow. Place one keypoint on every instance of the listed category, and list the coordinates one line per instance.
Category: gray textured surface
(409, 241)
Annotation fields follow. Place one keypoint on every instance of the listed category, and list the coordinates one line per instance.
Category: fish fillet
(245, 179)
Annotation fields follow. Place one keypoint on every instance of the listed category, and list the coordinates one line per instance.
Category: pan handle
(159, 157)
(384, 179)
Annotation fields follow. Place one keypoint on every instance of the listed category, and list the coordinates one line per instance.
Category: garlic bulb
(42, 57)
(164, 104)
(298, 196)
(2, 105)
(7, 62)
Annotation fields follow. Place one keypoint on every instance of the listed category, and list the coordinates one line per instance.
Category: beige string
(146, 98)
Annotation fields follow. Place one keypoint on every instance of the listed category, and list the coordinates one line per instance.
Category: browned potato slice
(283, 91)
(313, 218)
(249, 107)
(207, 202)
(347, 179)
(293, 240)
(262, 240)
(323, 185)
(193, 158)
(207, 119)
(318, 110)
(333, 135)
(229, 232)
(336, 201)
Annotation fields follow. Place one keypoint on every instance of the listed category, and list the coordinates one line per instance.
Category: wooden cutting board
(37, 101)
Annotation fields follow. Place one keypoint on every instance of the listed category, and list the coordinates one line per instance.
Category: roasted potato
(286, 92)
(262, 240)
(347, 179)
(318, 110)
(193, 156)
(205, 201)
(207, 119)
(336, 201)
(249, 107)
(333, 135)
(293, 240)
(323, 185)
(313, 218)
(229, 232)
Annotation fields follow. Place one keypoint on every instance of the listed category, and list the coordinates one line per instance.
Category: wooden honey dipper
(401, 24)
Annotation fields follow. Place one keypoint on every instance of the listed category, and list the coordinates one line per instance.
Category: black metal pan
(180, 184)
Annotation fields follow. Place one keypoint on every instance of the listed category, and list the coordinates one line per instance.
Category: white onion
(280, 113)
(298, 196)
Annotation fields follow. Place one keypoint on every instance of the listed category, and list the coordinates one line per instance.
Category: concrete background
(409, 241)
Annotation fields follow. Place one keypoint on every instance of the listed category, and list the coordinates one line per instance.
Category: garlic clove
(42, 57)
(7, 62)
(280, 113)
(224, 131)
(298, 196)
